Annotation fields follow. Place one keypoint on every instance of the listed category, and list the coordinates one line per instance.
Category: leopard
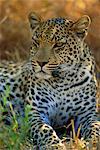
(58, 81)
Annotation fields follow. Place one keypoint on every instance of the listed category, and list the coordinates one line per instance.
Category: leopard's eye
(58, 45)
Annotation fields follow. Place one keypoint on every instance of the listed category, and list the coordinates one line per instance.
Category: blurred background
(15, 37)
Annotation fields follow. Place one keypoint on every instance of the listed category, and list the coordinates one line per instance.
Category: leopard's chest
(59, 102)
(55, 106)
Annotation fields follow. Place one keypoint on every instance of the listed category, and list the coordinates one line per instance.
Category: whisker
(53, 64)
(51, 67)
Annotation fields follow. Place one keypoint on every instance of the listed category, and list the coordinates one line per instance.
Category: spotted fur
(58, 81)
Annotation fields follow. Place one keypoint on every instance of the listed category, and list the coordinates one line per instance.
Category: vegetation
(13, 137)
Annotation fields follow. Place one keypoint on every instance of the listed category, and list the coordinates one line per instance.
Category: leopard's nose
(42, 63)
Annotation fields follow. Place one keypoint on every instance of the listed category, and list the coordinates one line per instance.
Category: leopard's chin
(43, 75)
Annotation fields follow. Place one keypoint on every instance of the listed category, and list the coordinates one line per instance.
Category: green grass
(12, 137)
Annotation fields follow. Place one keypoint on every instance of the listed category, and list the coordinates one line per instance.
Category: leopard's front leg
(43, 135)
(90, 126)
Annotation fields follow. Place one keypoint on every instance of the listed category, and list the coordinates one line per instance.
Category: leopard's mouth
(44, 72)
(43, 75)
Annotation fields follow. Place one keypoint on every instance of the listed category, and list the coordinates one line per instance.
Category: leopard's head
(56, 43)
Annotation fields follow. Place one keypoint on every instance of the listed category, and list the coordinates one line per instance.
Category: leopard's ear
(81, 26)
(34, 20)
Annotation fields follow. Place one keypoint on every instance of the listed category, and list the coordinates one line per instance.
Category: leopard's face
(56, 43)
